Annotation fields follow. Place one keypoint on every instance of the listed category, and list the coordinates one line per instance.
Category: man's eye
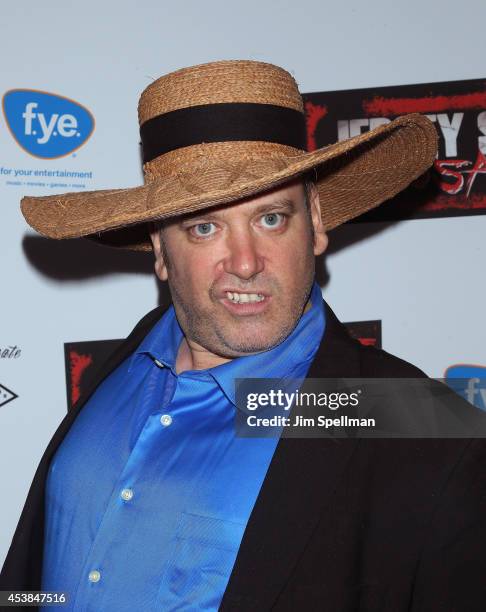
(203, 229)
(272, 220)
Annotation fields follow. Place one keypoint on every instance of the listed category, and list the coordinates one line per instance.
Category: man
(145, 499)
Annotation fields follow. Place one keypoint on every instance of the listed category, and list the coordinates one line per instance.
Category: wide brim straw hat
(221, 132)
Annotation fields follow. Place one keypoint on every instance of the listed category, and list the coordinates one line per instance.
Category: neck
(192, 356)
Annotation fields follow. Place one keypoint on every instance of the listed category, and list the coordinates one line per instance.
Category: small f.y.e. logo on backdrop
(469, 381)
(6, 395)
(46, 125)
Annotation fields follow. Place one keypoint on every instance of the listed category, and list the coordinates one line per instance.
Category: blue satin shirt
(149, 494)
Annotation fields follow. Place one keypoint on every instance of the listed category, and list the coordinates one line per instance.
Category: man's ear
(160, 264)
(320, 237)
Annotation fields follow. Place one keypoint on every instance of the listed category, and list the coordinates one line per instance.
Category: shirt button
(127, 494)
(166, 420)
(158, 363)
(94, 576)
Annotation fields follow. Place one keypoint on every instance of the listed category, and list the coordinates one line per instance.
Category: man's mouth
(244, 304)
(244, 298)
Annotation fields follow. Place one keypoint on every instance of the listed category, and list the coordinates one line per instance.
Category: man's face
(240, 274)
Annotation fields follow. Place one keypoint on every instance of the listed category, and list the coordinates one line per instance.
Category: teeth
(242, 298)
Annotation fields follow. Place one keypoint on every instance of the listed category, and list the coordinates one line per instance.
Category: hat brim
(353, 176)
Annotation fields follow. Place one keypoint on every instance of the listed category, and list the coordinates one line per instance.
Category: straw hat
(219, 132)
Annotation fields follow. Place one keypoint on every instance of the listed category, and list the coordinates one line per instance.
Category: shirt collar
(162, 344)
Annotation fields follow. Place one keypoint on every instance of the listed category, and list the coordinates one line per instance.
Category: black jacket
(339, 525)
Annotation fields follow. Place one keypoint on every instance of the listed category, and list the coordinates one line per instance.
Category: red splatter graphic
(386, 107)
(459, 202)
(77, 364)
(367, 341)
(313, 114)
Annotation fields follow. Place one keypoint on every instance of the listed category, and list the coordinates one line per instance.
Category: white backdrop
(421, 278)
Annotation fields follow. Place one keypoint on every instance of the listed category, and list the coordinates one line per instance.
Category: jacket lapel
(299, 484)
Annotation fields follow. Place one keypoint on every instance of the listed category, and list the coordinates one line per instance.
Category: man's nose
(242, 258)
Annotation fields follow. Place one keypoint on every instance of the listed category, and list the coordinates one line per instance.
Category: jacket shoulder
(340, 354)
(148, 320)
(381, 364)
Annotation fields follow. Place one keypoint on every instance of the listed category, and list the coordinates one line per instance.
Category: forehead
(290, 193)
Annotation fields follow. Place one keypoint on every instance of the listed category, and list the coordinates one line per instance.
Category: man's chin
(242, 345)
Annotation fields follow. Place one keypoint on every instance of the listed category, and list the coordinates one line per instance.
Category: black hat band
(223, 122)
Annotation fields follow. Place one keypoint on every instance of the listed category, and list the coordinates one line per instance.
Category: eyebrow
(284, 205)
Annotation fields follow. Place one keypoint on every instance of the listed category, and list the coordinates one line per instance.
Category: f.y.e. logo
(46, 125)
(469, 381)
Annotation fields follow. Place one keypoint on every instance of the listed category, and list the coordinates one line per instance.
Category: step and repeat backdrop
(407, 277)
